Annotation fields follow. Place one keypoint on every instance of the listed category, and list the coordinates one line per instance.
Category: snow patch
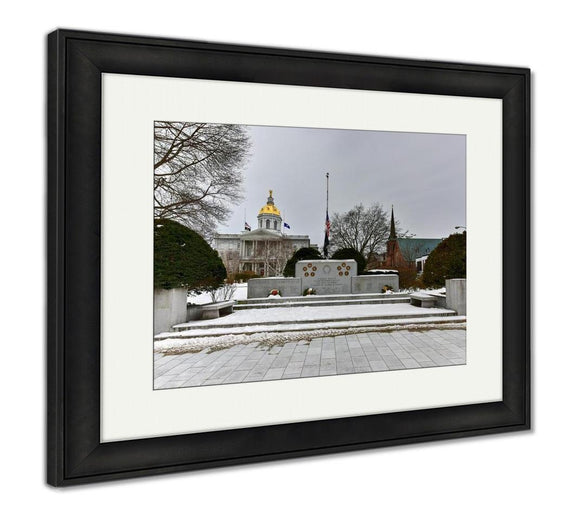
(277, 315)
(181, 345)
(240, 292)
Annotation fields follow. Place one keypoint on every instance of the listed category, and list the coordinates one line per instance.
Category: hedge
(182, 258)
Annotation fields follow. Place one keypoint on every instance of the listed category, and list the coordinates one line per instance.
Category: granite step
(325, 297)
(367, 322)
(211, 324)
(320, 302)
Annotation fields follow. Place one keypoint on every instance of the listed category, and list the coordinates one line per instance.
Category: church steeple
(393, 232)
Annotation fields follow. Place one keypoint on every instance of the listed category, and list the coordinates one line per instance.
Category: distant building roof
(412, 248)
(261, 233)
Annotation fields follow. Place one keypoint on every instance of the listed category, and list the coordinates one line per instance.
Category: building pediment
(261, 234)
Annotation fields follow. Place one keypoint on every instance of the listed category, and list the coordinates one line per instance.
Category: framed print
(259, 253)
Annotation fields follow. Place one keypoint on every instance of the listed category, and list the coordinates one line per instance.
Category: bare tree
(197, 172)
(412, 252)
(231, 260)
(274, 254)
(365, 230)
(224, 292)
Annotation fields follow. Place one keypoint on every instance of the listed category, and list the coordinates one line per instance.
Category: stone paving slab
(344, 354)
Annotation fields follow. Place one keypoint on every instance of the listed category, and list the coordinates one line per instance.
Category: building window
(275, 225)
(260, 223)
(267, 223)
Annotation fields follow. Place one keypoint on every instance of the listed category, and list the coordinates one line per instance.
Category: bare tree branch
(365, 230)
(197, 172)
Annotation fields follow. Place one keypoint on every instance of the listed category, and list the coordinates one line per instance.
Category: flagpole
(327, 193)
(326, 224)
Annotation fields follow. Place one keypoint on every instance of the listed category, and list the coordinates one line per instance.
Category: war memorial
(348, 299)
(324, 277)
(264, 303)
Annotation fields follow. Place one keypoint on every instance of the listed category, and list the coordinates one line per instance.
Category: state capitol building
(264, 250)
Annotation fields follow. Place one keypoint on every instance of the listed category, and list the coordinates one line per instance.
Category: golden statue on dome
(270, 208)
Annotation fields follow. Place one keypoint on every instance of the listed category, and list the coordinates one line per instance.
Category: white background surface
(129, 407)
(525, 470)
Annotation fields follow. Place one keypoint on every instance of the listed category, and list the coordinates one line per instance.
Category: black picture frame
(76, 61)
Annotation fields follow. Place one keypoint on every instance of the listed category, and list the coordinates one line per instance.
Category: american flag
(247, 226)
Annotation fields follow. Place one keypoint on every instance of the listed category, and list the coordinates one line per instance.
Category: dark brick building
(407, 253)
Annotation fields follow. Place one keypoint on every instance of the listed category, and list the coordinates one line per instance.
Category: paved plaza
(346, 354)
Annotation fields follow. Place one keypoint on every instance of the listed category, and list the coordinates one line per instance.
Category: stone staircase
(386, 309)
(315, 313)
(191, 331)
(329, 300)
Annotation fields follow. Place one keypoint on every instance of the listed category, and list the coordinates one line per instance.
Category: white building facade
(263, 251)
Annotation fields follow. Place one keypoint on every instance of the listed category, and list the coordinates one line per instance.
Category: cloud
(421, 174)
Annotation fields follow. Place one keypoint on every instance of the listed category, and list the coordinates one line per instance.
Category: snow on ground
(178, 345)
(300, 326)
(280, 324)
(240, 292)
(303, 313)
(411, 290)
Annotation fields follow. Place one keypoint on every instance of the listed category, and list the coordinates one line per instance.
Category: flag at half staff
(326, 235)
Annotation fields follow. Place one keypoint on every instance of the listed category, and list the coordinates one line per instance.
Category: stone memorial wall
(169, 308)
(373, 284)
(261, 287)
(327, 276)
(456, 295)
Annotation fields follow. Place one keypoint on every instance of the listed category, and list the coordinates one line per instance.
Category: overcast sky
(421, 175)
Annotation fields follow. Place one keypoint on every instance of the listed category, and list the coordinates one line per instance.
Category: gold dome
(270, 208)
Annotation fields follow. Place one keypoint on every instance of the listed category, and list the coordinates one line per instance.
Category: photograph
(298, 252)
(257, 254)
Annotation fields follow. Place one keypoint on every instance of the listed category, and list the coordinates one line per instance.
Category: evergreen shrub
(301, 254)
(447, 260)
(183, 259)
(351, 253)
